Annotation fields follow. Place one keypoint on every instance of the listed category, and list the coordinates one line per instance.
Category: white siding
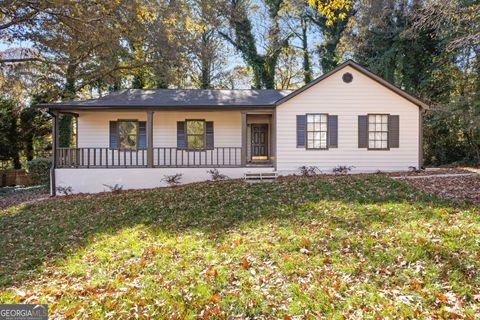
(348, 101)
(93, 127)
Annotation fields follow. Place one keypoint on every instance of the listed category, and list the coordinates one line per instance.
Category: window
(128, 134)
(378, 131)
(195, 137)
(317, 131)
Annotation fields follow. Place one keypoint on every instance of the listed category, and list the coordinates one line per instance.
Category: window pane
(378, 144)
(371, 135)
(316, 144)
(384, 144)
(323, 127)
(317, 118)
(324, 118)
(384, 127)
(317, 126)
(384, 136)
(324, 136)
(371, 118)
(310, 118)
(371, 144)
(310, 144)
(309, 126)
(317, 136)
(378, 127)
(127, 127)
(384, 118)
(323, 144)
(195, 127)
(195, 142)
(127, 134)
(378, 118)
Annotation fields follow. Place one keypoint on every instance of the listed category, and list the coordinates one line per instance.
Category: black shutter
(301, 119)
(181, 135)
(332, 131)
(363, 131)
(142, 135)
(393, 131)
(209, 135)
(113, 135)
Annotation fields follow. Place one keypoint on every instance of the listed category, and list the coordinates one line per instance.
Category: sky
(5, 46)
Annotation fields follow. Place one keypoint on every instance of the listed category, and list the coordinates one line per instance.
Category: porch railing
(217, 157)
(163, 157)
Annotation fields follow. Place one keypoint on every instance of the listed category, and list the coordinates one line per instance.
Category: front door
(259, 141)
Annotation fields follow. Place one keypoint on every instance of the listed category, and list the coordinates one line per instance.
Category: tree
(332, 30)
(9, 138)
(34, 127)
(455, 24)
(262, 65)
(290, 73)
(206, 46)
(296, 18)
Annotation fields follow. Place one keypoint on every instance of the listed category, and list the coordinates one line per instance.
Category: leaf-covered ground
(457, 188)
(10, 196)
(333, 247)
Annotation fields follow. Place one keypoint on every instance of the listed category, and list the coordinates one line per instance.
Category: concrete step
(260, 176)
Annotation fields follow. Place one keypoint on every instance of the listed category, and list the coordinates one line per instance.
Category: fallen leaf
(245, 264)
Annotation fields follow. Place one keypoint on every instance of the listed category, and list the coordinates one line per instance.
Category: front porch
(238, 139)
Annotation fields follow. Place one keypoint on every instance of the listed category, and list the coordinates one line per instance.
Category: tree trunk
(29, 147)
(263, 66)
(206, 63)
(307, 71)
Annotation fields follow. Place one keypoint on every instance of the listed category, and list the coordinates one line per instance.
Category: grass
(337, 247)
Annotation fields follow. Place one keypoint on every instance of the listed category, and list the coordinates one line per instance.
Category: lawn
(334, 247)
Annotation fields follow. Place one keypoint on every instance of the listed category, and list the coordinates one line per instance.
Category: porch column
(273, 138)
(244, 139)
(55, 116)
(150, 139)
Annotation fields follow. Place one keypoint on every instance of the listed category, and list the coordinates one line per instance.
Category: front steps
(260, 176)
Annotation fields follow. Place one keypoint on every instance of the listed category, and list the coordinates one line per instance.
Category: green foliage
(65, 131)
(39, 170)
(297, 247)
(9, 139)
(34, 127)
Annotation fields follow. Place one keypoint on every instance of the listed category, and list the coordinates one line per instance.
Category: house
(134, 138)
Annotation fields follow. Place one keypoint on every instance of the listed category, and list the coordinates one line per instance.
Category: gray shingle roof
(181, 98)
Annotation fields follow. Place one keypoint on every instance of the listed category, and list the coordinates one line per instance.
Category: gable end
(356, 66)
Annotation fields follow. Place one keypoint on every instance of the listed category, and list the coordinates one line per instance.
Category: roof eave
(53, 106)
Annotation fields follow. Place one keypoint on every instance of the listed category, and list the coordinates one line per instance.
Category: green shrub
(39, 170)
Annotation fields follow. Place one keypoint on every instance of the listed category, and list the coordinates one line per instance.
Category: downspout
(53, 191)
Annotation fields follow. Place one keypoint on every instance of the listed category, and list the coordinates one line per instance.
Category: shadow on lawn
(33, 234)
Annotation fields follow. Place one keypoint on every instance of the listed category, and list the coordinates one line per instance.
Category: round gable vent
(347, 77)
